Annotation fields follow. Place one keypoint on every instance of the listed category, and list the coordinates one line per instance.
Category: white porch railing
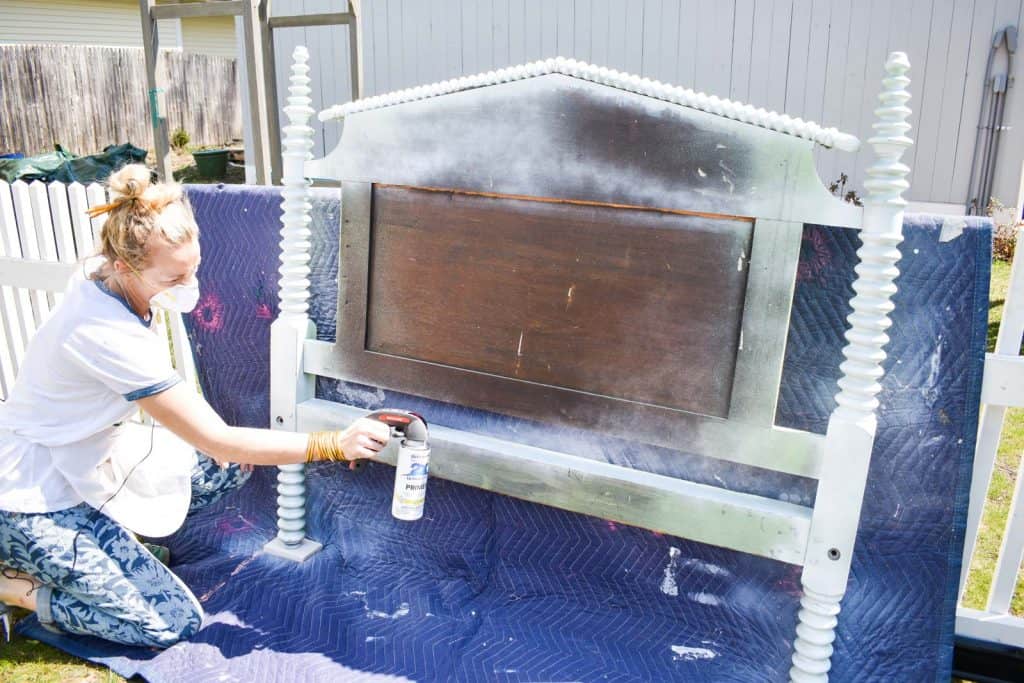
(44, 233)
(1002, 388)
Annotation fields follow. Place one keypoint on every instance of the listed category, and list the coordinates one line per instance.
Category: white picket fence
(1002, 388)
(44, 231)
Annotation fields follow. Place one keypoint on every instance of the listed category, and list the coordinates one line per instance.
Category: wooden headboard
(569, 244)
(577, 253)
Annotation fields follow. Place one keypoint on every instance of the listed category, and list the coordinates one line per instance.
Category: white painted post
(43, 221)
(25, 222)
(1011, 555)
(851, 429)
(62, 227)
(82, 228)
(60, 211)
(96, 195)
(12, 300)
(289, 384)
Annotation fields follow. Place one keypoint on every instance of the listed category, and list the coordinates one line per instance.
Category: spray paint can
(413, 466)
(411, 472)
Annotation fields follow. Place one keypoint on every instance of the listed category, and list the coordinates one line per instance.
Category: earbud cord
(92, 516)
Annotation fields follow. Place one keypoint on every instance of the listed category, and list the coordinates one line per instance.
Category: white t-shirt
(65, 430)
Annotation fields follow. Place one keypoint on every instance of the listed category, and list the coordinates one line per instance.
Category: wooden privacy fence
(86, 98)
(44, 233)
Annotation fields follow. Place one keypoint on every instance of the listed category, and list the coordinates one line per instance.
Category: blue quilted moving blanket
(489, 588)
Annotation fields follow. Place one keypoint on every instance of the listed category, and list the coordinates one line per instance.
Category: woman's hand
(363, 439)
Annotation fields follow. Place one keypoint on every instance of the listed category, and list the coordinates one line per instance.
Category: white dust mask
(179, 298)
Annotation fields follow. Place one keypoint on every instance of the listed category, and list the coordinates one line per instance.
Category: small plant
(838, 188)
(180, 139)
(1004, 235)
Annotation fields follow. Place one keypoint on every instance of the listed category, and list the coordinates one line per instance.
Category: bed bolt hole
(280, 420)
(834, 554)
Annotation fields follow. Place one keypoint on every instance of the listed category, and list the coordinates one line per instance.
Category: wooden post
(355, 43)
(273, 97)
(267, 27)
(253, 14)
(289, 384)
(156, 81)
(851, 428)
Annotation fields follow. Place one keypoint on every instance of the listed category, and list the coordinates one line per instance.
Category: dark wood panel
(630, 303)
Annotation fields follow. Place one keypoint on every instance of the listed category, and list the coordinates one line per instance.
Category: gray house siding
(815, 59)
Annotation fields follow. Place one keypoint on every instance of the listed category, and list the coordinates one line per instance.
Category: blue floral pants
(117, 590)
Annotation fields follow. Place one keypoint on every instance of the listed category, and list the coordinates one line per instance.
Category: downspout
(1007, 80)
(982, 130)
(990, 122)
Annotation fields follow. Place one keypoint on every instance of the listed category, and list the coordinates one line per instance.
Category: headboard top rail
(746, 113)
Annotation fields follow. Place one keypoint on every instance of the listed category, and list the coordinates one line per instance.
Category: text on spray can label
(411, 472)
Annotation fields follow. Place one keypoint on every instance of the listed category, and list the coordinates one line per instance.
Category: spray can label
(411, 474)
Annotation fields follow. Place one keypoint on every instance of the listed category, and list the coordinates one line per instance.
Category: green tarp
(66, 167)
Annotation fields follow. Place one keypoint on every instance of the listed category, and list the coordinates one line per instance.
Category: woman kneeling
(78, 476)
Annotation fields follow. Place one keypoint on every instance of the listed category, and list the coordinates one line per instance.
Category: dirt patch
(185, 171)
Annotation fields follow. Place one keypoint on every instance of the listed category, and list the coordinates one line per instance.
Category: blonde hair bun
(140, 210)
(130, 182)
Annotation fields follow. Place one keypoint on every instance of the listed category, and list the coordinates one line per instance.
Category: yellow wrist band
(324, 446)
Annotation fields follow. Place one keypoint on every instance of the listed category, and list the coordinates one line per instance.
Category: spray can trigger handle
(410, 425)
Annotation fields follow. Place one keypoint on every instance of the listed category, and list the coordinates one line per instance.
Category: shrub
(180, 139)
(1004, 236)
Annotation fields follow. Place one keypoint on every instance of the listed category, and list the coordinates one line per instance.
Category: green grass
(28, 661)
(1004, 477)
